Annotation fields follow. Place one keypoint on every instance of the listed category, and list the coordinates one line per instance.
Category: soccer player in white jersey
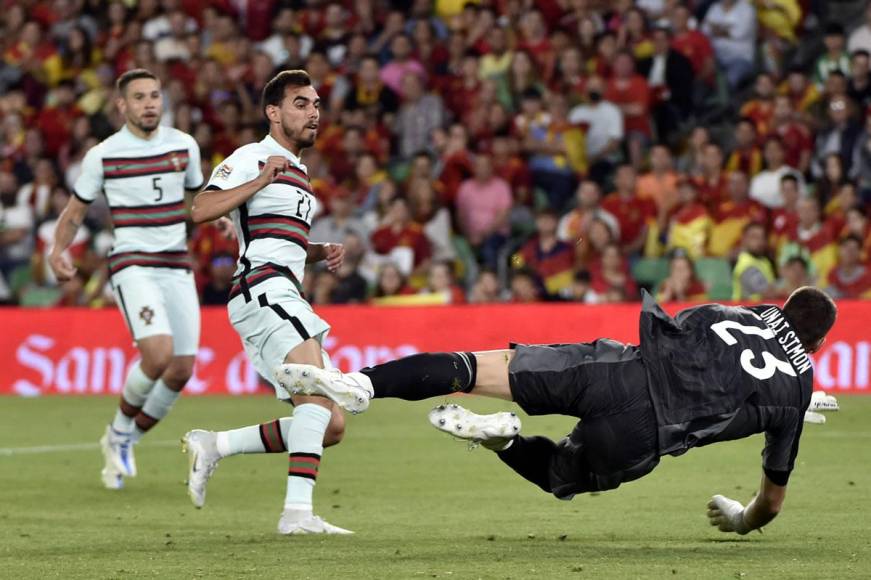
(143, 170)
(265, 188)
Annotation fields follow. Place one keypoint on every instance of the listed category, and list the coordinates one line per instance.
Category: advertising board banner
(72, 351)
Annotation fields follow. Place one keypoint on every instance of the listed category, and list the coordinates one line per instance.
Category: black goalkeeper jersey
(717, 373)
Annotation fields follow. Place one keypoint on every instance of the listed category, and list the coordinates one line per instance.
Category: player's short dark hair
(133, 75)
(812, 313)
(273, 92)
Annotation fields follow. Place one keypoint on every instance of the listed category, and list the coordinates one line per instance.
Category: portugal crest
(147, 315)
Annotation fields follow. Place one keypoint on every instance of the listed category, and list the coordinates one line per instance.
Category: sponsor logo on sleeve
(223, 172)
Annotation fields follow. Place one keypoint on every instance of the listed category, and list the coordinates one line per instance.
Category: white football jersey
(273, 225)
(144, 182)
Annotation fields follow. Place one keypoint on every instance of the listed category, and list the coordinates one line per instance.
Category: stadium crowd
(504, 150)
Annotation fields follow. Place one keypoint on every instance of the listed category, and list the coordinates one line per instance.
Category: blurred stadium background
(490, 166)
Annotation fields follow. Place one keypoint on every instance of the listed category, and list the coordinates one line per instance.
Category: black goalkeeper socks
(422, 376)
(530, 457)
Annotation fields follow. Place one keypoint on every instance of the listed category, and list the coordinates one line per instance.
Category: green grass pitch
(421, 504)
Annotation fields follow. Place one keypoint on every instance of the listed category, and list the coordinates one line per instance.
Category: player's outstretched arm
(210, 204)
(730, 516)
(67, 225)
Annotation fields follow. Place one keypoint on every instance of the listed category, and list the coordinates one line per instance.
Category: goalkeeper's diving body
(713, 373)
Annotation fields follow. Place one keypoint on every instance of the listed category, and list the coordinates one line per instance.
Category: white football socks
(305, 445)
(269, 437)
(136, 389)
(157, 406)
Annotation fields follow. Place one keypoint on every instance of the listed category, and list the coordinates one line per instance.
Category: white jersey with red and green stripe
(144, 181)
(273, 225)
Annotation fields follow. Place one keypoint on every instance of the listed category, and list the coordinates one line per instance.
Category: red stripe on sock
(302, 471)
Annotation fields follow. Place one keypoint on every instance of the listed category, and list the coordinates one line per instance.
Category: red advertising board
(80, 351)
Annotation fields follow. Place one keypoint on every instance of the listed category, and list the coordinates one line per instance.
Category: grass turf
(422, 506)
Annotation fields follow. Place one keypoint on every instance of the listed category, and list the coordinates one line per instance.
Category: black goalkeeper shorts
(603, 383)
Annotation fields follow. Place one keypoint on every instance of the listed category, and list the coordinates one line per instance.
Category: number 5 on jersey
(155, 184)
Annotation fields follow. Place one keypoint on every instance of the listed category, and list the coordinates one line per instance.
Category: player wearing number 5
(713, 373)
(143, 170)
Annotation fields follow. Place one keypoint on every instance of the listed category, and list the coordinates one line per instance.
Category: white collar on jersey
(281, 150)
(158, 134)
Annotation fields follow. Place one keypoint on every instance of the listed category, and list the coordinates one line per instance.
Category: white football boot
(118, 452)
(291, 524)
(351, 391)
(493, 431)
(203, 459)
(111, 479)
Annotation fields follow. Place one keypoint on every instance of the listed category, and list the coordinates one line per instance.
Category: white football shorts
(157, 301)
(276, 320)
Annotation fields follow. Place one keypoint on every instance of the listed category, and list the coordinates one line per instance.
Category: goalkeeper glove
(820, 401)
(727, 514)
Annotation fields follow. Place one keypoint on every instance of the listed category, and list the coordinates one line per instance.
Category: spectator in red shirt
(569, 78)
(55, 121)
(850, 278)
(746, 157)
(692, 44)
(456, 162)
(732, 216)
(610, 277)
(712, 182)
(795, 135)
(210, 240)
(630, 92)
(633, 214)
(814, 235)
(534, 40)
(397, 230)
(428, 50)
(857, 224)
(462, 90)
(512, 168)
(760, 109)
(784, 219)
(550, 258)
(836, 210)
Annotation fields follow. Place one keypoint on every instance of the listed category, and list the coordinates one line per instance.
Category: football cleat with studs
(351, 391)
(494, 431)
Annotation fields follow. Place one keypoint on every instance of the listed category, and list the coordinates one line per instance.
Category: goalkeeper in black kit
(712, 373)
